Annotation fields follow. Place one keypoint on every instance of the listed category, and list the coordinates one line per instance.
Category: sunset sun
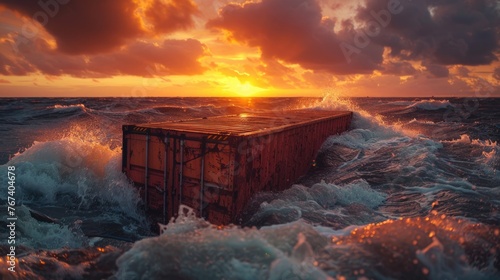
(244, 89)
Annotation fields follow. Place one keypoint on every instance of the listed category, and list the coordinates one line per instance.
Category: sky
(140, 48)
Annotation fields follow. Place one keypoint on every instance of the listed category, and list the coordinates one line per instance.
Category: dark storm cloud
(96, 26)
(172, 57)
(443, 31)
(294, 31)
(440, 32)
(399, 68)
(436, 70)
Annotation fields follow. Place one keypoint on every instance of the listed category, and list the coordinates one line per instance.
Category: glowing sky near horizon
(136, 48)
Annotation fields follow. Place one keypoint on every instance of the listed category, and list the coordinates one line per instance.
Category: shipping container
(216, 164)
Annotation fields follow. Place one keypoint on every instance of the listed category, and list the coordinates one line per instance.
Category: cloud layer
(95, 38)
(437, 33)
(294, 31)
(441, 31)
(171, 57)
(97, 26)
(104, 38)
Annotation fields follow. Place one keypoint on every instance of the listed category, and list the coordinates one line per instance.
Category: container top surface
(247, 124)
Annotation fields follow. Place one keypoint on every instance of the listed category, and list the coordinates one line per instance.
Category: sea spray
(224, 252)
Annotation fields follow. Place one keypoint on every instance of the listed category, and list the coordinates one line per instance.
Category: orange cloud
(171, 57)
(496, 73)
(172, 16)
(294, 31)
(97, 26)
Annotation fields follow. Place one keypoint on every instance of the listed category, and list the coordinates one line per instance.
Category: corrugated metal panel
(246, 124)
(215, 165)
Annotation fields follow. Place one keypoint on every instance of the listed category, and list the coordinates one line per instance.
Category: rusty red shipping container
(215, 165)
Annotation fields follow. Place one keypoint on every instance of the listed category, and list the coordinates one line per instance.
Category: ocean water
(411, 191)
